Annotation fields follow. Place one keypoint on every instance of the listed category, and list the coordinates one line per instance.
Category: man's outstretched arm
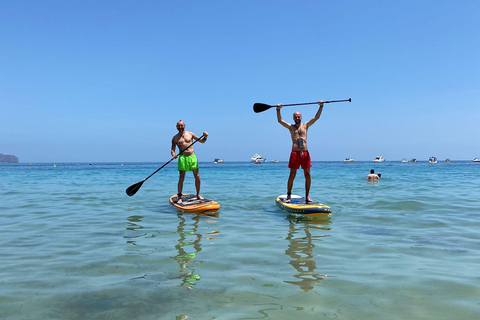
(317, 115)
(279, 117)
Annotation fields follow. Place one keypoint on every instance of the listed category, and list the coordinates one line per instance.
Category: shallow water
(75, 246)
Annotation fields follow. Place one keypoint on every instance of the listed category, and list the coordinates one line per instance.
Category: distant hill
(4, 158)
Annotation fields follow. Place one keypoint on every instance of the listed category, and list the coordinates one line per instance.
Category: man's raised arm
(203, 139)
(279, 117)
(317, 115)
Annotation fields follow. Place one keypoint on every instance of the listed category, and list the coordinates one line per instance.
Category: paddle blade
(134, 188)
(260, 107)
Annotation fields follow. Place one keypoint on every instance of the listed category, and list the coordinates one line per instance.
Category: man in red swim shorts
(299, 156)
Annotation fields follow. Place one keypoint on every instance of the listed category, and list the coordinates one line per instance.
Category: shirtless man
(187, 161)
(373, 176)
(299, 155)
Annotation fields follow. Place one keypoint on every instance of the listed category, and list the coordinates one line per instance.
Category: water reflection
(189, 245)
(302, 236)
(135, 229)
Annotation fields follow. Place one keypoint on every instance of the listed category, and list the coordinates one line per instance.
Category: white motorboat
(379, 159)
(476, 160)
(258, 158)
(274, 161)
(413, 160)
(448, 160)
(404, 160)
(348, 160)
(218, 160)
(432, 160)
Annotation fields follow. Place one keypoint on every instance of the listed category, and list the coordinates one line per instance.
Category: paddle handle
(173, 158)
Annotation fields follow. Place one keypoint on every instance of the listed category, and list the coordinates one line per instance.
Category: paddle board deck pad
(298, 205)
(190, 204)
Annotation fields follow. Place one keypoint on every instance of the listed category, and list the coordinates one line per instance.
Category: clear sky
(100, 81)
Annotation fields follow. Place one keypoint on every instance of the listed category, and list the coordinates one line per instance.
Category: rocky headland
(5, 158)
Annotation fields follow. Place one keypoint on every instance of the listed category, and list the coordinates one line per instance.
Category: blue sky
(97, 81)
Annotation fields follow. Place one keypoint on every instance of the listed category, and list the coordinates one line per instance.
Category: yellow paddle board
(298, 205)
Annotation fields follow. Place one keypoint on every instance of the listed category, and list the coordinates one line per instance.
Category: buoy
(54, 165)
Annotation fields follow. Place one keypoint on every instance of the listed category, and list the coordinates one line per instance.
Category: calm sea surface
(75, 246)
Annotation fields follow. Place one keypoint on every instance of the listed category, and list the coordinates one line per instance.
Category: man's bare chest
(300, 131)
(180, 140)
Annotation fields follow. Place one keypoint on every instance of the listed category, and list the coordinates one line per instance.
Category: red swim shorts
(299, 158)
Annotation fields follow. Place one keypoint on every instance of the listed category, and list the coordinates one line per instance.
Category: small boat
(448, 160)
(348, 160)
(404, 160)
(258, 162)
(274, 161)
(476, 160)
(413, 160)
(218, 160)
(379, 159)
(432, 160)
(256, 157)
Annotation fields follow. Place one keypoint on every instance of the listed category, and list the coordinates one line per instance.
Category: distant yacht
(448, 160)
(274, 161)
(404, 160)
(476, 160)
(258, 158)
(348, 160)
(413, 160)
(218, 160)
(379, 159)
(432, 160)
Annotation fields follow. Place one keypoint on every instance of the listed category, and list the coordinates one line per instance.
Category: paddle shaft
(304, 103)
(173, 158)
(260, 107)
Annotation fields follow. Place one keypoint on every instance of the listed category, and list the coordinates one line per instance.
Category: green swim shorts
(187, 163)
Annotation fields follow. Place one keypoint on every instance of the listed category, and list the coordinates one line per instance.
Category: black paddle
(260, 107)
(135, 187)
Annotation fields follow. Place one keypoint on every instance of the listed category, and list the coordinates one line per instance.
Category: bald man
(299, 155)
(187, 161)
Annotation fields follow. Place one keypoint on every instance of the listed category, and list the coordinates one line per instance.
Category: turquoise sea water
(75, 246)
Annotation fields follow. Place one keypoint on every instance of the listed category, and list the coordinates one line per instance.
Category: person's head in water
(180, 126)
(297, 117)
(372, 171)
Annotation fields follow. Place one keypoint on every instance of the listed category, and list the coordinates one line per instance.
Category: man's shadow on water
(189, 245)
(302, 236)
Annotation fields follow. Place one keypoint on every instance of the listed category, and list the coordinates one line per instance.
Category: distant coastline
(4, 158)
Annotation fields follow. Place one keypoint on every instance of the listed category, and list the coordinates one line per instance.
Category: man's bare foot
(179, 201)
(308, 200)
(199, 197)
(287, 200)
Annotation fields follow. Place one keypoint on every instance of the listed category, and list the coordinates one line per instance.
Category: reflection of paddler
(134, 229)
(189, 238)
(300, 250)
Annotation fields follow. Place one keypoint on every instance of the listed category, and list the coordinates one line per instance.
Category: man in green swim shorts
(187, 161)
